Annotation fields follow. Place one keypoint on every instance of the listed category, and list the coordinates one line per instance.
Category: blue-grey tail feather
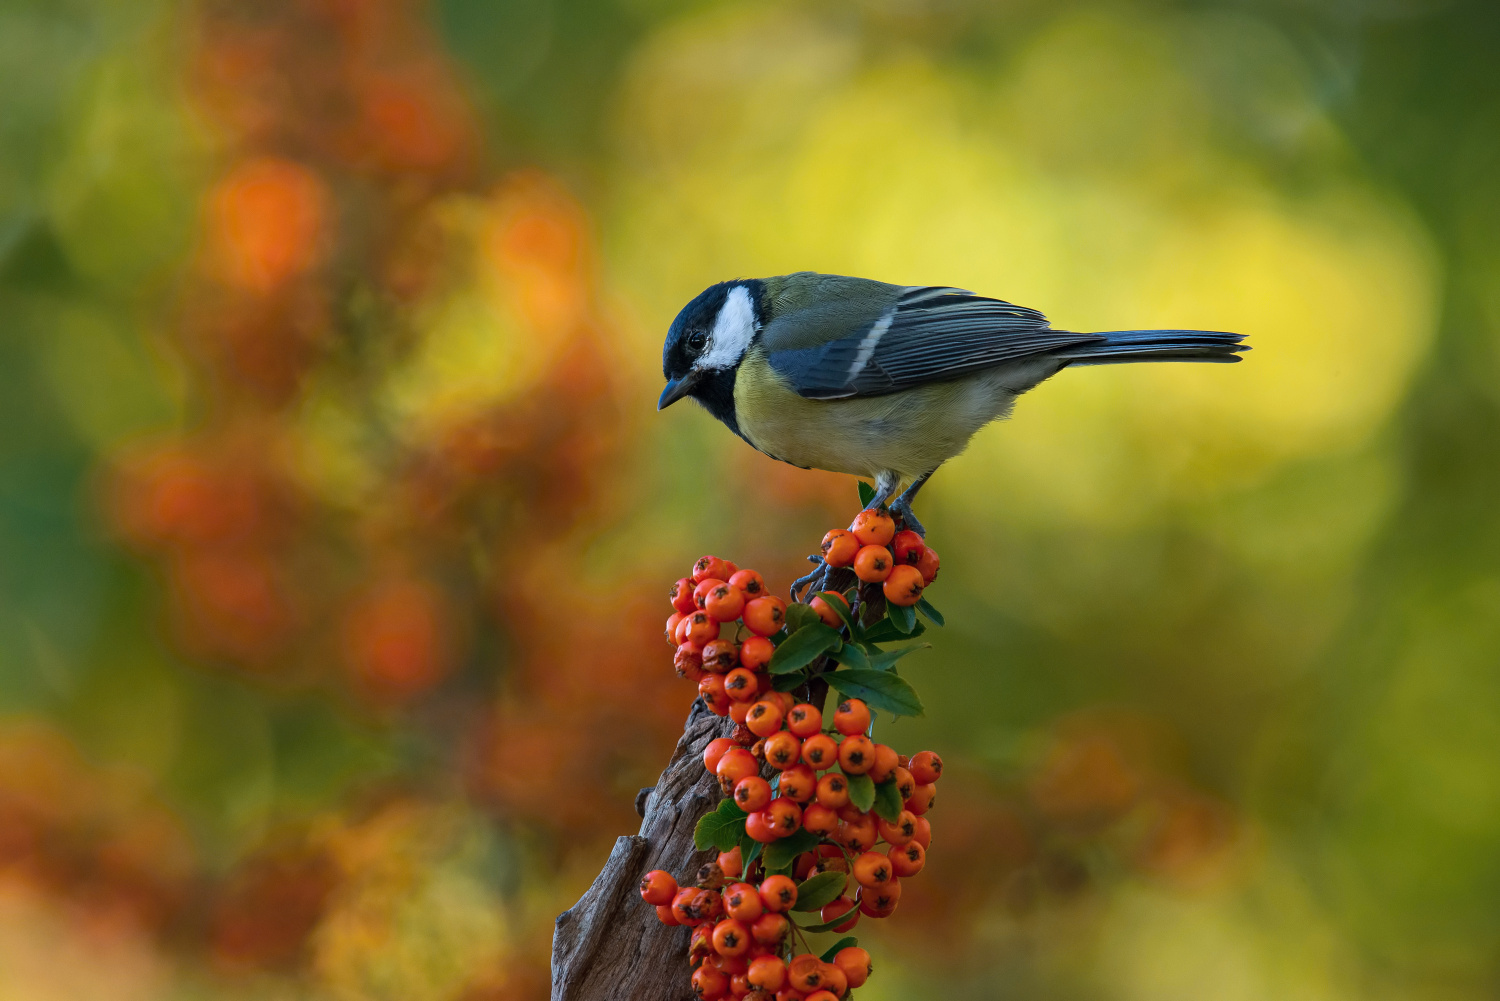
(1157, 345)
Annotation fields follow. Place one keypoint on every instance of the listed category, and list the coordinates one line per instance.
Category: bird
(877, 380)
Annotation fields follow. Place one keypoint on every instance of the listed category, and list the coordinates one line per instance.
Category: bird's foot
(803, 582)
(901, 511)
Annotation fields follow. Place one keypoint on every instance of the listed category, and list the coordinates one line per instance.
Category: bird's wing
(929, 334)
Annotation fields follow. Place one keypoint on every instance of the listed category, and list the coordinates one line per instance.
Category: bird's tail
(1119, 346)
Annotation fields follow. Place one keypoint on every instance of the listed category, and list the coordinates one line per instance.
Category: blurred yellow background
(336, 517)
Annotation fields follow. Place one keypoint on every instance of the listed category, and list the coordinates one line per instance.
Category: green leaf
(799, 615)
(885, 631)
(903, 617)
(749, 856)
(925, 607)
(888, 805)
(789, 682)
(840, 604)
(838, 947)
(879, 690)
(721, 829)
(852, 656)
(782, 853)
(803, 647)
(861, 791)
(866, 494)
(886, 659)
(825, 886)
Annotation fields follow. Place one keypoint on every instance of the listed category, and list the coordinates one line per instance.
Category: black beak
(678, 388)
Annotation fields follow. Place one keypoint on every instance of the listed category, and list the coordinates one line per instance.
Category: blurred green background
(336, 517)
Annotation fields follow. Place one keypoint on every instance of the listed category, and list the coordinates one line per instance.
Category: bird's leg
(901, 508)
(885, 486)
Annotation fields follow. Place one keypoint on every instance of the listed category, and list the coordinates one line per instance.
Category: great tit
(882, 381)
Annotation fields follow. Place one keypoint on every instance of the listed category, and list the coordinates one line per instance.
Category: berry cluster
(806, 805)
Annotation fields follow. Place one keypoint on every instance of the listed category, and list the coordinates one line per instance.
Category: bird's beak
(678, 388)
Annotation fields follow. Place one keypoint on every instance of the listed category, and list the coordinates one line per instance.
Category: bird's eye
(696, 341)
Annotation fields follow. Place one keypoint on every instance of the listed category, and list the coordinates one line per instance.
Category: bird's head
(709, 338)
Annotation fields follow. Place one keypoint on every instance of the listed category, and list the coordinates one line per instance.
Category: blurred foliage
(335, 515)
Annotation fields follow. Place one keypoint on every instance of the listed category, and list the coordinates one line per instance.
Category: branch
(610, 945)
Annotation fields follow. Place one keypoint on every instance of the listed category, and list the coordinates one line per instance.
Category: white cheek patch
(734, 328)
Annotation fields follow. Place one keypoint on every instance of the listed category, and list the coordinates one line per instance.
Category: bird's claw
(802, 583)
(901, 511)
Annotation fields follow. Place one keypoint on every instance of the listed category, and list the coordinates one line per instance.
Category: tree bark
(610, 946)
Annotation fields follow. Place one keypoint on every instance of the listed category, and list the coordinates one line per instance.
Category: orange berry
(770, 928)
(737, 711)
(839, 547)
(899, 831)
(741, 685)
(872, 564)
(784, 816)
(702, 590)
(731, 862)
(851, 717)
(872, 869)
(821, 995)
(907, 859)
(681, 595)
(834, 981)
(928, 566)
(782, 750)
(709, 984)
(805, 972)
(923, 836)
(731, 938)
(905, 784)
(833, 791)
(700, 628)
(831, 618)
(778, 893)
(836, 907)
(714, 751)
(758, 826)
(658, 887)
(665, 916)
(755, 652)
(711, 567)
(804, 719)
(799, 783)
(885, 765)
(783, 699)
(767, 972)
(764, 718)
(720, 656)
(672, 621)
(765, 615)
(688, 662)
(820, 751)
(752, 793)
(907, 548)
(859, 835)
(873, 528)
(880, 902)
(855, 962)
(684, 906)
(819, 819)
(926, 767)
(903, 586)
(735, 764)
(922, 800)
(725, 602)
(742, 902)
(711, 690)
(750, 583)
